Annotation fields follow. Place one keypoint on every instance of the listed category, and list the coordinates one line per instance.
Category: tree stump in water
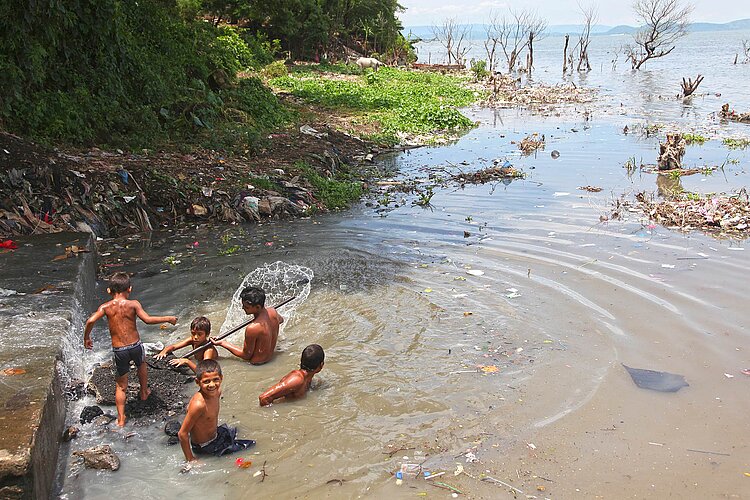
(671, 152)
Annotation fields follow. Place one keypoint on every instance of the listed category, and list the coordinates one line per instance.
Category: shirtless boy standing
(200, 329)
(126, 342)
(296, 383)
(200, 433)
(261, 334)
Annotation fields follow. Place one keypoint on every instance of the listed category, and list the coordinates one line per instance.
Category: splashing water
(280, 281)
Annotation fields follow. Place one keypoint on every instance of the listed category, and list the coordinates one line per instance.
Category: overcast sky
(429, 12)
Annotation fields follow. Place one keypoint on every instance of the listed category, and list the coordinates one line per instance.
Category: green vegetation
(132, 74)
(155, 72)
(263, 182)
(479, 69)
(334, 193)
(732, 143)
(694, 138)
(398, 101)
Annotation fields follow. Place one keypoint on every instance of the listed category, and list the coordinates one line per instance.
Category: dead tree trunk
(671, 152)
(530, 59)
(690, 86)
(565, 54)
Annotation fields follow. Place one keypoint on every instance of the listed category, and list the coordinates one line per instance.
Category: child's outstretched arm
(194, 411)
(290, 384)
(152, 320)
(240, 353)
(99, 314)
(182, 362)
(179, 345)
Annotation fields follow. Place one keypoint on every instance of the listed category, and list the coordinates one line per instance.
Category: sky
(611, 13)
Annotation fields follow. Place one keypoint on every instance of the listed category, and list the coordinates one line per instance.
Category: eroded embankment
(114, 193)
(42, 300)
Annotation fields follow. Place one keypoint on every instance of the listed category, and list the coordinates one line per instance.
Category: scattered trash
(493, 480)
(428, 290)
(531, 445)
(668, 266)
(5, 292)
(489, 369)
(555, 154)
(467, 313)
(13, 371)
(655, 380)
(258, 473)
(207, 192)
(9, 244)
(71, 251)
(475, 272)
(243, 464)
(557, 194)
(746, 371)
(727, 375)
(308, 130)
(655, 444)
(531, 143)
(590, 189)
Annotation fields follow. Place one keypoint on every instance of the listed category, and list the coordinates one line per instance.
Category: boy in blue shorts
(121, 313)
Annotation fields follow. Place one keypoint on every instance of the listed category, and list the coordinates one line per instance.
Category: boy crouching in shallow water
(200, 329)
(296, 383)
(121, 313)
(200, 433)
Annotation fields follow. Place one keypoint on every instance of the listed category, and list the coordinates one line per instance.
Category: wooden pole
(565, 54)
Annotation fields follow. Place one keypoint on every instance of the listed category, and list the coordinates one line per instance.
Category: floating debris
(655, 380)
(722, 214)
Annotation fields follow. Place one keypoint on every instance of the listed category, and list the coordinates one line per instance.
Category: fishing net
(280, 281)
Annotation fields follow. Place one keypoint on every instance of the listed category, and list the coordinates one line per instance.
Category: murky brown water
(563, 301)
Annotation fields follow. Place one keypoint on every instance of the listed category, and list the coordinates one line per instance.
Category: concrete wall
(42, 335)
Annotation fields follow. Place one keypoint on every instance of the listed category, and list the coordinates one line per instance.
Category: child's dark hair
(119, 283)
(205, 366)
(312, 357)
(201, 323)
(254, 296)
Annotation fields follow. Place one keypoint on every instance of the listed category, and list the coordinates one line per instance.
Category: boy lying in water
(296, 383)
(200, 433)
(200, 329)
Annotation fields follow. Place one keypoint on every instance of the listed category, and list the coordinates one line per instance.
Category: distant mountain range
(477, 31)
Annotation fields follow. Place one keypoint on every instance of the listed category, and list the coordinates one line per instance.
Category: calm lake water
(562, 302)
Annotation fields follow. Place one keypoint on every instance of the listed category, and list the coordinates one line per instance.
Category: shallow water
(563, 301)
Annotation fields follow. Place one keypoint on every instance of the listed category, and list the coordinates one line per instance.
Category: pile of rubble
(719, 214)
(503, 90)
(115, 193)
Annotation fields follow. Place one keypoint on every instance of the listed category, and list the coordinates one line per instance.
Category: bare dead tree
(689, 86)
(461, 46)
(454, 37)
(745, 52)
(664, 22)
(492, 40)
(512, 30)
(565, 54)
(445, 34)
(590, 16)
(536, 28)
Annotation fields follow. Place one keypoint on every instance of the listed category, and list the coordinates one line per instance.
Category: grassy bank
(393, 105)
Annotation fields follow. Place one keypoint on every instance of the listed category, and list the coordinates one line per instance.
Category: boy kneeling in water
(296, 383)
(200, 432)
(200, 329)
